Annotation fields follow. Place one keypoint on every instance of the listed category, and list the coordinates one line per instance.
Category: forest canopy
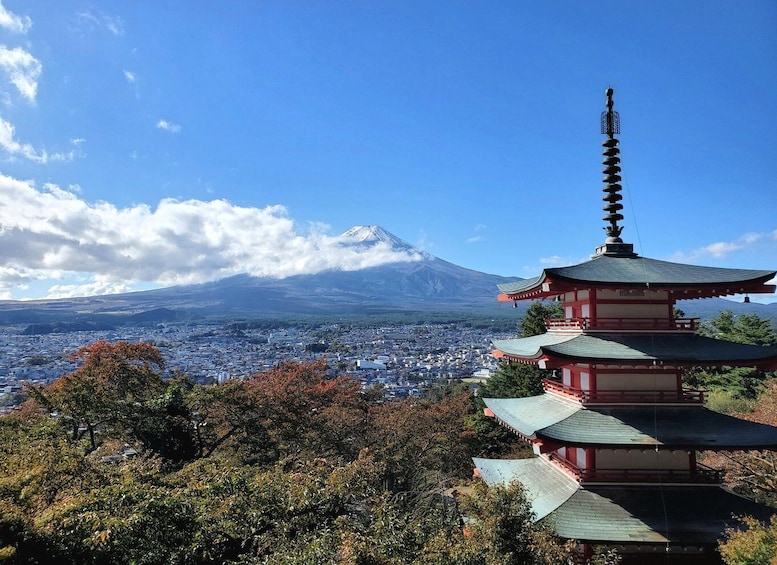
(113, 464)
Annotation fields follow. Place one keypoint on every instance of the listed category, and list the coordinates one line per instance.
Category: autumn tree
(422, 444)
(752, 543)
(111, 382)
(292, 410)
(290, 466)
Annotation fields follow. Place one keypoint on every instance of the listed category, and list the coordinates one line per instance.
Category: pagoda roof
(640, 272)
(652, 514)
(545, 485)
(667, 348)
(626, 514)
(649, 426)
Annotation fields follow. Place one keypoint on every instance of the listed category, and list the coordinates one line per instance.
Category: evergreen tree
(745, 328)
(533, 323)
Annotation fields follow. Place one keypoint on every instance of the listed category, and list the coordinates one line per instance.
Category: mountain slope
(428, 283)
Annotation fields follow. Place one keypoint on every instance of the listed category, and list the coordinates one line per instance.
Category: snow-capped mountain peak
(375, 234)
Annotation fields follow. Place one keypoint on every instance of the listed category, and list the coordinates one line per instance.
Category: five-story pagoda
(616, 435)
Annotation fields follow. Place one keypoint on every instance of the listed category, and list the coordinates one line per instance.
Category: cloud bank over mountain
(51, 233)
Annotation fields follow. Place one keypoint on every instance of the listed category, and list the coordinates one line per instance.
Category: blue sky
(145, 144)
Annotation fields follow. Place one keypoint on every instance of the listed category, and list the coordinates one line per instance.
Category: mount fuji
(419, 282)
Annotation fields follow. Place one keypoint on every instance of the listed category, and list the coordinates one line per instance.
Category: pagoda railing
(701, 474)
(624, 324)
(686, 396)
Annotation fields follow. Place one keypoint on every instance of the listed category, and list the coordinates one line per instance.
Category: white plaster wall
(639, 459)
(657, 295)
(645, 381)
(632, 311)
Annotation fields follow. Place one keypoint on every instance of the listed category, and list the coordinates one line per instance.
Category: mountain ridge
(421, 283)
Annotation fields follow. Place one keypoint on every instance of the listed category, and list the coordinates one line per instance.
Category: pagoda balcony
(686, 396)
(623, 324)
(701, 475)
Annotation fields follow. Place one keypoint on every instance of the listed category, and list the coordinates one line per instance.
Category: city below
(404, 359)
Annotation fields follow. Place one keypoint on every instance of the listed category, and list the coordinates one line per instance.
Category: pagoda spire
(611, 125)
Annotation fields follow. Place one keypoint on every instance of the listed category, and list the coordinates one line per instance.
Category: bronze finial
(611, 124)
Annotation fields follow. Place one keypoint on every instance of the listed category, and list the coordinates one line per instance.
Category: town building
(615, 434)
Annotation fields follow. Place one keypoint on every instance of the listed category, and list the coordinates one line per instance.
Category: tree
(501, 530)
(292, 410)
(287, 467)
(753, 543)
(753, 473)
(514, 380)
(736, 383)
(113, 380)
(745, 328)
(533, 323)
(422, 445)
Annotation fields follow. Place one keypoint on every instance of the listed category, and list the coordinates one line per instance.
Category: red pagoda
(615, 434)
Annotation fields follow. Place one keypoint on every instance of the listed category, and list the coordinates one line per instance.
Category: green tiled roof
(527, 415)
(680, 348)
(518, 286)
(641, 270)
(546, 416)
(622, 514)
(653, 514)
(531, 346)
(691, 427)
(546, 486)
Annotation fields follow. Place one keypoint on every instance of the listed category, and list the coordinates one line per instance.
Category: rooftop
(662, 348)
(640, 514)
(640, 272)
(648, 426)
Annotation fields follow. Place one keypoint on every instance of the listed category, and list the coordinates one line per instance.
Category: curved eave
(527, 415)
(552, 350)
(659, 427)
(656, 514)
(678, 291)
(545, 485)
(559, 421)
(685, 281)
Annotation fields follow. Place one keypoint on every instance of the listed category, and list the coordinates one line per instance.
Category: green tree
(744, 328)
(501, 531)
(533, 323)
(738, 383)
(514, 380)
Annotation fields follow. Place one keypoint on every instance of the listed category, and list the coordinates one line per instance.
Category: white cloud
(168, 126)
(12, 22)
(100, 285)
(9, 143)
(23, 70)
(721, 249)
(114, 24)
(52, 233)
(89, 21)
(477, 238)
(130, 76)
(555, 260)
